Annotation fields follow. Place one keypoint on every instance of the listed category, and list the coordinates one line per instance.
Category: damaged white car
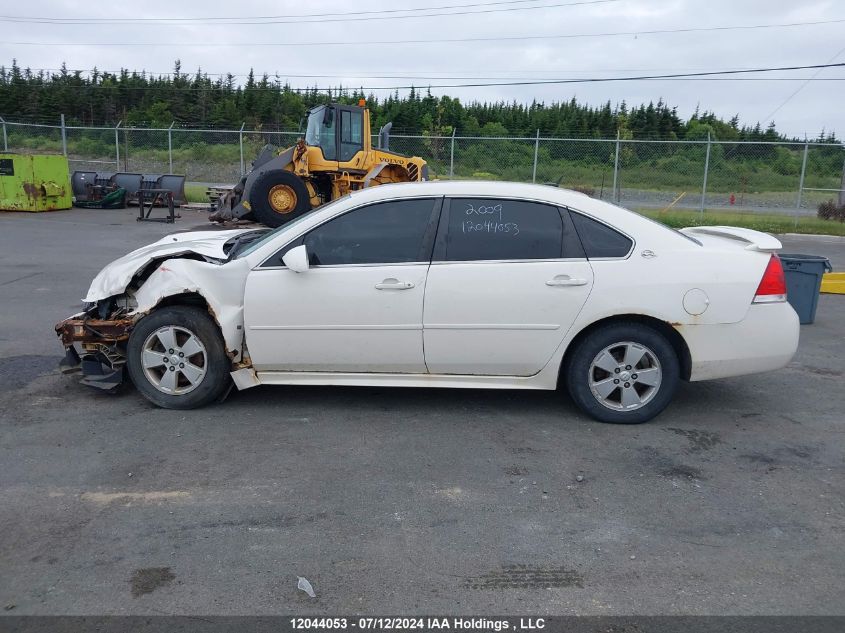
(441, 284)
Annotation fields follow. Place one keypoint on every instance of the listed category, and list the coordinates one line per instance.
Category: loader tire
(277, 197)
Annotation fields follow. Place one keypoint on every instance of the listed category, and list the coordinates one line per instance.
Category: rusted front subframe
(86, 330)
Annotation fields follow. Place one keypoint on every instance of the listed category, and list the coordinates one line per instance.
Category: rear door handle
(566, 280)
(394, 284)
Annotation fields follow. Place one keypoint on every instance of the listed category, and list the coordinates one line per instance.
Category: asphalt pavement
(403, 501)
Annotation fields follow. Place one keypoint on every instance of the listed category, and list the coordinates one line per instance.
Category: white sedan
(484, 285)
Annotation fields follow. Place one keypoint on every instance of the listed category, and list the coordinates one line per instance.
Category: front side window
(351, 134)
(499, 229)
(384, 233)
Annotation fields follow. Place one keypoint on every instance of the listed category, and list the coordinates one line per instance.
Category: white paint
(755, 240)
(114, 278)
(476, 324)
(696, 301)
(335, 319)
(499, 319)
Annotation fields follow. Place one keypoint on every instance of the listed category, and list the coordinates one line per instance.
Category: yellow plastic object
(34, 182)
(833, 283)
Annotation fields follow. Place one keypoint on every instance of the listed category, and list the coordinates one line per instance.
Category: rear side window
(499, 229)
(600, 240)
(385, 233)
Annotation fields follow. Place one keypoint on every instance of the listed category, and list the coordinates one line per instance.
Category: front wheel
(277, 197)
(625, 373)
(177, 359)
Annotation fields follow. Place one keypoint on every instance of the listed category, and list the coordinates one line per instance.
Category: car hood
(115, 277)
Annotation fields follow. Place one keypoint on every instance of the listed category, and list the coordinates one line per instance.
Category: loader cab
(340, 131)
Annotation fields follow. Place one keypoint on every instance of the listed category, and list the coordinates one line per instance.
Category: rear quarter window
(600, 240)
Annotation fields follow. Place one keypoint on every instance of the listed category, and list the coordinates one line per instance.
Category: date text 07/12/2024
(419, 623)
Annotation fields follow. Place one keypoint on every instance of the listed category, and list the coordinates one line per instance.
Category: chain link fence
(703, 175)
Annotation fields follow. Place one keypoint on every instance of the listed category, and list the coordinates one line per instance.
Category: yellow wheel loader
(335, 157)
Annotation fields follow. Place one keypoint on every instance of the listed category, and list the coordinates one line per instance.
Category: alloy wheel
(625, 376)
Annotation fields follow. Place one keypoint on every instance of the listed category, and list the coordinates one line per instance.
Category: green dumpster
(34, 182)
(803, 275)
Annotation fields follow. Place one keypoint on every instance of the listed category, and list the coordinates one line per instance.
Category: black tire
(259, 197)
(215, 363)
(580, 371)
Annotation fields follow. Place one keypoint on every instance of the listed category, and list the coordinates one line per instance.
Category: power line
(801, 87)
(707, 75)
(516, 38)
(271, 17)
(355, 75)
(346, 17)
(359, 74)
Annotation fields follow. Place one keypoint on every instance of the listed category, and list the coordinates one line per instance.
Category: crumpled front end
(96, 347)
(191, 268)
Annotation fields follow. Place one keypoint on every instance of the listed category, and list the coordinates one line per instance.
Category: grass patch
(196, 193)
(767, 223)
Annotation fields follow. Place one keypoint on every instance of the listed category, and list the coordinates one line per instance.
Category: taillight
(772, 286)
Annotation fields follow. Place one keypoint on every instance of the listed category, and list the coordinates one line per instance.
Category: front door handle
(566, 280)
(394, 284)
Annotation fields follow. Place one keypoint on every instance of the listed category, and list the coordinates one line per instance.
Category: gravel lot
(403, 501)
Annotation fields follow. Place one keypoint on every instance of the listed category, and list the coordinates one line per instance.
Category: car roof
(619, 216)
(484, 188)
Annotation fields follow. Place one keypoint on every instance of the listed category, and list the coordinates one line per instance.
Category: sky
(341, 48)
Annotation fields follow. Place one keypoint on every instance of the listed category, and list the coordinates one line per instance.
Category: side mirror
(296, 259)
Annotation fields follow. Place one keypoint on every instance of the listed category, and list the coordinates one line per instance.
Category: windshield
(288, 225)
(320, 131)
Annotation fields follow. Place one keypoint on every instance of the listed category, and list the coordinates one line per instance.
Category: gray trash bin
(803, 279)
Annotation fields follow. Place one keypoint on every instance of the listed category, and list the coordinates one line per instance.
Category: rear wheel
(177, 359)
(624, 373)
(277, 197)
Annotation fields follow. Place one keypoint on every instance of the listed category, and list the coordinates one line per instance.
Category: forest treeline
(197, 99)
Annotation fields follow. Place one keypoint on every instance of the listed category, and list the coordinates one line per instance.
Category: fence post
(451, 154)
(5, 138)
(801, 179)
(536, 151)
(706, 169)
(241, 143)
(117, 144)
(841, 184)
(64, 134)
(616, 170)
(170, 145)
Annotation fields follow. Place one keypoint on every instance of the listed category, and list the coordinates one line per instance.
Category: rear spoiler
(755, 240)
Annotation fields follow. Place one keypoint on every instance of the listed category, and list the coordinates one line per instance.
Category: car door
(507, 280)
(358, 308)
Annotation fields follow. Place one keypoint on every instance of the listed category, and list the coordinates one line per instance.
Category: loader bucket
(79, 182)
(176, 184)
(171, 182)
(93, 185)
(125, 180)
